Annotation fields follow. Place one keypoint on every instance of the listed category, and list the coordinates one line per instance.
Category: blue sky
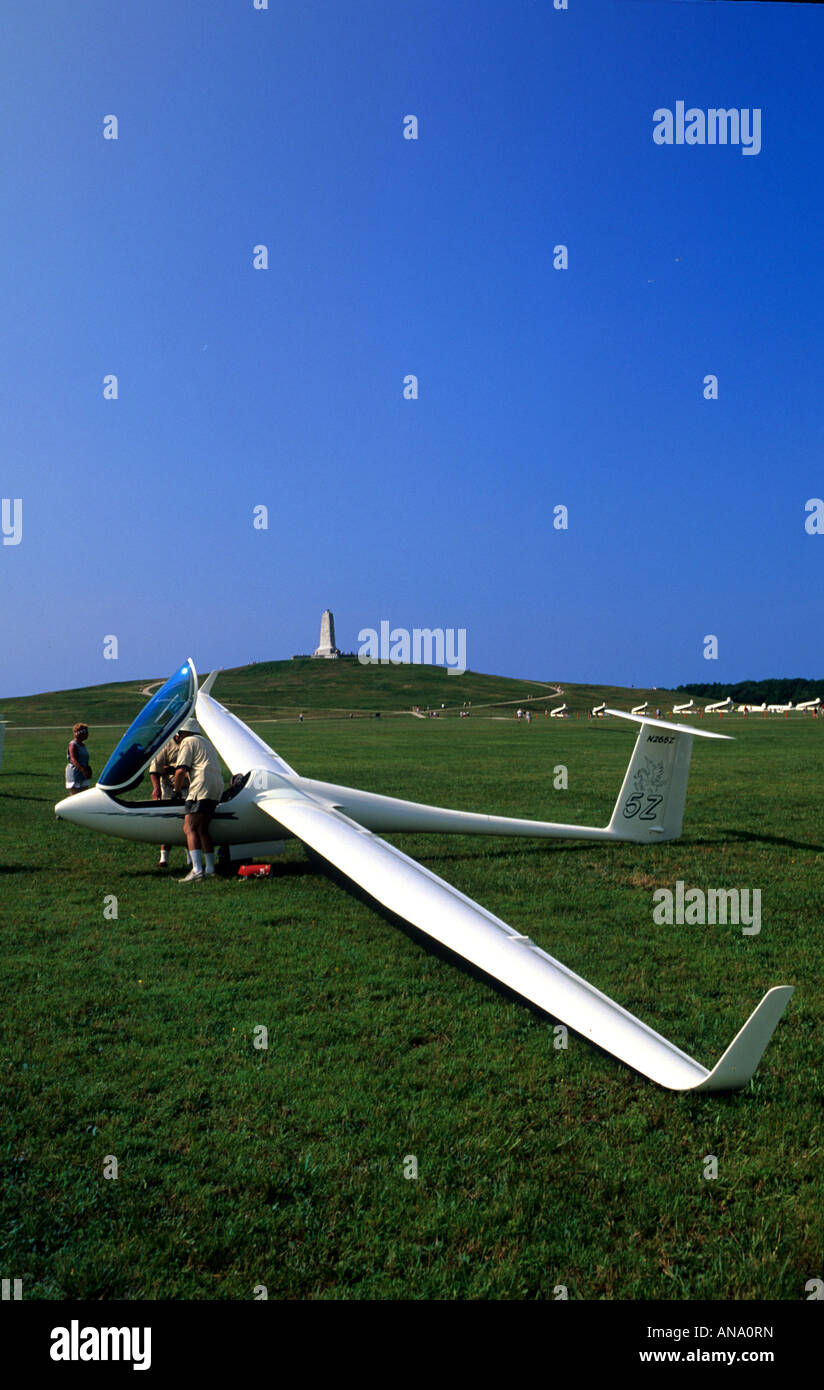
(284, 387)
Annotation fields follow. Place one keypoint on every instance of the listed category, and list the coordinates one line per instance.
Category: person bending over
(198, 764)
(161, 772)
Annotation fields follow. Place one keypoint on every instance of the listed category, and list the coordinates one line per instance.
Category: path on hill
(556, 690)
(522, 699)
(343, 711)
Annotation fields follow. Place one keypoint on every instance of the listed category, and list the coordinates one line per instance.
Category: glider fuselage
(239, 820)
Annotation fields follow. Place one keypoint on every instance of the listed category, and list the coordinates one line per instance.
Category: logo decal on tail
(646, 783)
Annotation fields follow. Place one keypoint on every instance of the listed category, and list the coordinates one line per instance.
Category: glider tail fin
(650, 805)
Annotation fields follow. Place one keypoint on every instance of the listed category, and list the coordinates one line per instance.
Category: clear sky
(283, 387)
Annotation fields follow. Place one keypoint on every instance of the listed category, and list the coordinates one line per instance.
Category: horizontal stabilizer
(669, 724)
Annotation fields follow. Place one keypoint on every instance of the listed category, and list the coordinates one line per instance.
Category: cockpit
(152, 728)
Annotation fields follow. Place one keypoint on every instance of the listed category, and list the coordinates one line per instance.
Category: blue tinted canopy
(151, 729)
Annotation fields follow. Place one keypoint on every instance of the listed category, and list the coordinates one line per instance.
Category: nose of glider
(81, 808)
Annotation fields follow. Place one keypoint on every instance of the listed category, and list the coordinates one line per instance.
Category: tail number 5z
(634, 803)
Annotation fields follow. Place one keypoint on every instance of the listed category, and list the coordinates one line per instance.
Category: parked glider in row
(268, 802)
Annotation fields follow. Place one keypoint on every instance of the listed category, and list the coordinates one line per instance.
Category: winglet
(746, 1049)
(206, 687)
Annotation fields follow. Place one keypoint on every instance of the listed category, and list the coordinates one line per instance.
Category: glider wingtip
(738, 1064)
(785, 990)
(206, 687)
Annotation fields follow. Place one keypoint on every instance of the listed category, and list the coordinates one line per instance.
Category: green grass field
(537, 1166)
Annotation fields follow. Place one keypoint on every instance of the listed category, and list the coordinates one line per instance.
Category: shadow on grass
(750, 836)
(299, 869)
(22, 868)
(28, 774)
(15, 796)
(508, 852)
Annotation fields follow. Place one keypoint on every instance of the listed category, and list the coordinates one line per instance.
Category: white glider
(269, 802)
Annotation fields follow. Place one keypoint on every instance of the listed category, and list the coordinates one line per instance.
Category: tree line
(795, 690)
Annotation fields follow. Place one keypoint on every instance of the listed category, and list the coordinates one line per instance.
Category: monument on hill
(327, 646)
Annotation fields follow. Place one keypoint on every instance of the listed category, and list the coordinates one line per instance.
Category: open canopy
(155, 724)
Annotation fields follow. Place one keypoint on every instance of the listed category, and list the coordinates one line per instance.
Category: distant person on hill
(78, 767)
(161, 773)
(198, 770)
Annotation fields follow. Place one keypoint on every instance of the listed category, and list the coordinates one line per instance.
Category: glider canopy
(153, 727)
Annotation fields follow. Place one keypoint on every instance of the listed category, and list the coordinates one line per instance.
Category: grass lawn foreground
(134, 1038)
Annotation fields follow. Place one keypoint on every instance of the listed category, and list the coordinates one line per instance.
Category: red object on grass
(254, 871)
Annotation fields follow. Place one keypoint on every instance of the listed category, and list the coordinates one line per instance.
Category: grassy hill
(328, 689)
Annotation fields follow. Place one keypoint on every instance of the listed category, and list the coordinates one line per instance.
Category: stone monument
(327, 646)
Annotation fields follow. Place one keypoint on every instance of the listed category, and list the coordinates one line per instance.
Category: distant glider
(688, 708)
(270, 803)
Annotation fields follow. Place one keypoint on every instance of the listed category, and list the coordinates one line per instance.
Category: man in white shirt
(197, 764)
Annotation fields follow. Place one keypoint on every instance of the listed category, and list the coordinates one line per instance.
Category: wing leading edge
(239, 748)
(427, 902)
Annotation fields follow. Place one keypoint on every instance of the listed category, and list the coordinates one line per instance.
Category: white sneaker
(193, 876)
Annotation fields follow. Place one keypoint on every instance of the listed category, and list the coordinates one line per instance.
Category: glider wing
(239, 748)
(419, 897)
